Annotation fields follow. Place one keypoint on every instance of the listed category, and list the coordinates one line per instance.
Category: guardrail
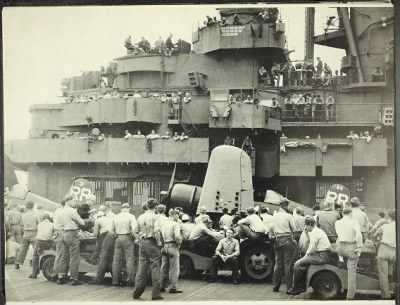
(357, 113)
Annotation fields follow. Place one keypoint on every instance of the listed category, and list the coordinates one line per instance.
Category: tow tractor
(330, 280)
(86, 265)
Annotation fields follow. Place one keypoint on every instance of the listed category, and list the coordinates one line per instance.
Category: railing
(109, 150)
(340, 113)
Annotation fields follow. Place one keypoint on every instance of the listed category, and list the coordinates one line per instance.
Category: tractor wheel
(258, 262)
(47, 266)
(326, 285)
(186, 267)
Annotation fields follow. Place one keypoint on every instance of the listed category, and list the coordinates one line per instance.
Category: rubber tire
(47, 266)
(269, 256)
(186, 268)
(326, 285)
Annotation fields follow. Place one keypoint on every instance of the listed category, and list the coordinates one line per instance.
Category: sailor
(123, 226)
(275, 74)
(236, 20)
(299, 222)
(183, 136)
(227, 252)
(329, 108)
(317, 254)
(248, 100)
(30, 221)
(319, 66)
(58, 238)
(176, 136)
(13, 219)
(159, 44)
(226, 220)
(247, 145)
(386, 253)
(160, 211)
(101, 227)
(229, 141)
(223, 22)
(266, 217)
(251, 226)
(139, 135)
(40, 212)
(44, 241)
(289, 108)
(153, 135)
(107, 246)
(326, 220)
(327, 75)
(128, 43)
(171, 234)
(149, 236)
(187, 98)
(352, 135)
(202, 211)
(349, 244)
(316, 107)
(128, 135)
(282, 228)
(360, 216)
(144, 44)
(166, 135)
(186, 227)
(378, 224)
(169, 45)
(204, 239)
(300, 103)
(71, 221)
(377, 75)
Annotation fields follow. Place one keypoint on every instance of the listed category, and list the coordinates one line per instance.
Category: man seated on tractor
(203, 239)
(227, 252)
(317, 254)
(251, 226)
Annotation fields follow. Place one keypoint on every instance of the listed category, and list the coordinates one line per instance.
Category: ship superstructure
(235, 84)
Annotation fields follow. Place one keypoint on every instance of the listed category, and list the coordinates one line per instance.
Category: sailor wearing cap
(71, 244)
(101, 227)
(123, 226)
(13, 220)
(58, 238)
(201, 228)
(107, 246)
(149, 236)
(171, 234)
(349, 244)
(317, 254)
(204, 239)
(186, 227)
(30, 221)
(283, 227)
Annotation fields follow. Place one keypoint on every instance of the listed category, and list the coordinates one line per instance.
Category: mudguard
(365, 284)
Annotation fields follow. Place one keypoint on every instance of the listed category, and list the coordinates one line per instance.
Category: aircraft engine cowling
(185, 196)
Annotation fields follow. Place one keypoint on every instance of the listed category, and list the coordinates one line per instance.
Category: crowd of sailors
(150, 245)
(167, 47)
(306, 74)
(267, 15)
